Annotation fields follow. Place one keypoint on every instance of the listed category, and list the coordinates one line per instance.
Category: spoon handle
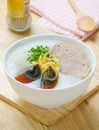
(74, 6)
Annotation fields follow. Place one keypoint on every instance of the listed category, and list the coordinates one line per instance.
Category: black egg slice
(33, 73)
(49, 78)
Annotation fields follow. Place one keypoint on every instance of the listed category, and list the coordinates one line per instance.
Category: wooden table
(84, 117)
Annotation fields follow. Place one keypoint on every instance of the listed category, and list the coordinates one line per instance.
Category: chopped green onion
(35, 53)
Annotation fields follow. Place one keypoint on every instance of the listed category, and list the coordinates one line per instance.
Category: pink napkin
(59, 16)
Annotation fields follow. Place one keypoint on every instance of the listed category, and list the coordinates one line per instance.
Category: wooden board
(45, 116)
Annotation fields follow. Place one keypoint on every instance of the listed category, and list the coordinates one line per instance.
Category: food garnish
(35, 53)
(44, 66)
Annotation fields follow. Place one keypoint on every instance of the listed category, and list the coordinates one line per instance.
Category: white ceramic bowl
(49, 98)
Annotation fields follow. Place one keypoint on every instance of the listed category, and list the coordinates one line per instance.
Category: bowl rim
(49, 35)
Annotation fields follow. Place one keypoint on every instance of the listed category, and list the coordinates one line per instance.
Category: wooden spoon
(85, 23)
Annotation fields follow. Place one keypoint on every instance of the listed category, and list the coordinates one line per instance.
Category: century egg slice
(49, 78)
(30, 75)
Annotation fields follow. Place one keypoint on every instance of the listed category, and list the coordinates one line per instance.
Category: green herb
(35, 53)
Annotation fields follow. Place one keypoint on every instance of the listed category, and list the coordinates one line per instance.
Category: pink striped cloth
(59, 16)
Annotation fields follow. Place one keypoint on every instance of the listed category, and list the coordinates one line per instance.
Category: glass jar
(18, 16)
